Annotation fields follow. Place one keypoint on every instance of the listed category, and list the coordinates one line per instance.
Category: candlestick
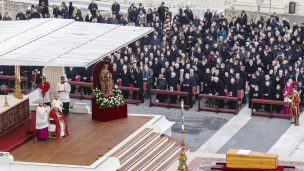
(17, 92)
(5, 98)
(182, 156)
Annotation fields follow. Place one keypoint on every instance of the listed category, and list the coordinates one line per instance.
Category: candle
(4, 88)
(183, 127)
(182, 104)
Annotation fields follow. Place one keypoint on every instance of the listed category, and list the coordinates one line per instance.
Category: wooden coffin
(251, 160)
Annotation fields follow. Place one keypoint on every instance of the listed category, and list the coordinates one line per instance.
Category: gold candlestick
(182, 156)
(5, 98)
(17, 92)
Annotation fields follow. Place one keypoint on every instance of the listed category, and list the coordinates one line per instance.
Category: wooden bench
(271, 113)
(168, 93)
(217, 108)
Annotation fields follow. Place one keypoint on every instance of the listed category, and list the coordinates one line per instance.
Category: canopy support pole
(53, 75)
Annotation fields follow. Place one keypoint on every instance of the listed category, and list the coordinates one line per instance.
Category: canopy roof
(62, 42)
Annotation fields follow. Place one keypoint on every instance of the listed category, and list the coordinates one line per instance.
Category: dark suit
(232, 92)
(93, 8)
(162, 85)
(187, 87)
(148, 75)
(172, 84)
(138, 83)
(125, 82)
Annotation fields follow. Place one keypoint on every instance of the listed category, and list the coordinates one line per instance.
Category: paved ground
(259, 134)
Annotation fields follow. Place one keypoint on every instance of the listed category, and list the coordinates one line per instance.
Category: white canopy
(62, 42)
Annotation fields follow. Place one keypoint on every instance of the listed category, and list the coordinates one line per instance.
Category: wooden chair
(52, 128)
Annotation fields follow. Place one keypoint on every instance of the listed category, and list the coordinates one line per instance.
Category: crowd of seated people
(214, 54)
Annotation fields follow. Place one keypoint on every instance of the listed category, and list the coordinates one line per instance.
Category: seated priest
(56, 103)
(44, 91)
(42, 122)
(60, 121)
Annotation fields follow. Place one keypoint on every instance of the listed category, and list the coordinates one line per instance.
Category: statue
(105, 81)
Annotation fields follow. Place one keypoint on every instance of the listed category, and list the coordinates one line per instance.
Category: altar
(13, 116)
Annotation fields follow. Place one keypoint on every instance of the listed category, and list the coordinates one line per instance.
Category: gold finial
(5, 98)
(182, 156)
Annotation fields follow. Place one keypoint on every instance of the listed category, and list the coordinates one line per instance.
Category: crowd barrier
(131, 90)
(213, 103)
(271, 112)
(83, 85)
(167, 103)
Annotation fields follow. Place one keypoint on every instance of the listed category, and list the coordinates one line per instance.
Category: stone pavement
(291, 143)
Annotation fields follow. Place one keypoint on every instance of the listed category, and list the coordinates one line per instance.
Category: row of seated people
(130, 93)
(50, 121)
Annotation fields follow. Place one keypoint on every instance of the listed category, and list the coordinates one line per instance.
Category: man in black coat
(125, 77)
(267, 94)
(115, 8)
(162, 12)
(148, 77)
(208, 15)
(172, 86)
(219, 90)
(243, 18)
(189, 13)
(232, 92)
(20, 16)
(138, 83)
(239, 82)
(56, 12)
(93, 8)
(71, 9)
(35, 14)
(161, 85)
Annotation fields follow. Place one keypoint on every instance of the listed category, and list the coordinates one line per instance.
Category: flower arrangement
(107, 102)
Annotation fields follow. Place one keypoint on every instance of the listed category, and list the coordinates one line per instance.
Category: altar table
(16, 114)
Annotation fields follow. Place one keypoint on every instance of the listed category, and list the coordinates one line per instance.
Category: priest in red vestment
(44, 91)
(61, 123)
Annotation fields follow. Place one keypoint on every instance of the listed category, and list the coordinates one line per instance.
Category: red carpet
(16, 137)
